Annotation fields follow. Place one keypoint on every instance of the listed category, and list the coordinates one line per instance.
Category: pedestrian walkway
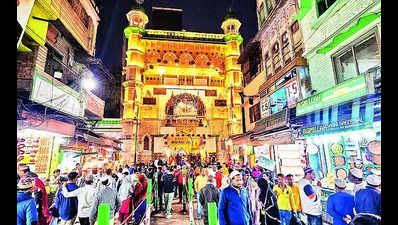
(176, 217)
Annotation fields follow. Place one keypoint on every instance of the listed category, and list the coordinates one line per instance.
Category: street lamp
(89, 83)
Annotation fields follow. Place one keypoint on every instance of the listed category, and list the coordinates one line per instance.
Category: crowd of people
(242, 195)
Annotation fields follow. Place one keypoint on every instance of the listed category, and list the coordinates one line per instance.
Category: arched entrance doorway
(185, 112)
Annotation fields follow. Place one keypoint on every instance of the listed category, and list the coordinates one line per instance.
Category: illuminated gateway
(184, 89)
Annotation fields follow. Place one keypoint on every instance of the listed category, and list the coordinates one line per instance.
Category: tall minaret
(134, 67)
(233, 80)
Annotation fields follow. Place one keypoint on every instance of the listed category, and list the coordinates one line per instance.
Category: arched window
(146, 143)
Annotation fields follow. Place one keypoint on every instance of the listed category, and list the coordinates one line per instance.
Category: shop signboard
(265, 107)
(56, 95)
(265, 163)
(261, 151)
(335, 127)
(348, 90)
(278, 100)
(278, 119)
(292, 93)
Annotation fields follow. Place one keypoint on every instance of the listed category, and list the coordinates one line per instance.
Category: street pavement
(176, 217)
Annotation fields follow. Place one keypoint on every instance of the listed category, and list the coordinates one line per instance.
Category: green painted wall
(320, 32)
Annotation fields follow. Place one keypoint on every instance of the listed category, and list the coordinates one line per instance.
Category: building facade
(275, 79)
(52, 60)
(181, 90)
(341, 120)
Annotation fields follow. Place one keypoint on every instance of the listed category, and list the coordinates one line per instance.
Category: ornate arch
(153, 57)
(201, 60)
(185, 59)
(169, 58)
(146, 143)
(188, 99)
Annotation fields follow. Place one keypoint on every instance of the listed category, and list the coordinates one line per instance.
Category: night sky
(198, 16)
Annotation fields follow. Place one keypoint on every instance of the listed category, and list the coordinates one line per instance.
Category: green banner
(212, 213)
(104, 213)
(190, 189)
(148, 193)
(61, 157)
(348, 90)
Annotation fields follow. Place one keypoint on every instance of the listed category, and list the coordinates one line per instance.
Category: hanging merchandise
(43, 155)
(27, 147)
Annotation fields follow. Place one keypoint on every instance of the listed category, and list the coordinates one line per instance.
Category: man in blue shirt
(26, 204)
(234, 207)
(67, 207)
(368, 200)
(340, 205)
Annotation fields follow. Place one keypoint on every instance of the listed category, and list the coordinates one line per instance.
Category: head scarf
(263, 185)
(256, 173)
(269, 201)
(40, 185)
(140, 190)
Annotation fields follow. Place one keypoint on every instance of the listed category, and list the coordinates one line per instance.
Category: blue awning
(356, 114)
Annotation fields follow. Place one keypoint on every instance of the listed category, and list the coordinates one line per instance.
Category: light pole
(136, 137)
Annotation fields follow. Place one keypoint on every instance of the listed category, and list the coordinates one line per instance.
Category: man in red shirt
(219, 177)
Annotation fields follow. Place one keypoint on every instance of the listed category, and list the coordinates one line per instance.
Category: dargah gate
(181, 91)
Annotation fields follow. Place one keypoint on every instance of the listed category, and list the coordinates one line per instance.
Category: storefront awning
(49, 125)
(357, 114)
(275, 137)
(241, 139)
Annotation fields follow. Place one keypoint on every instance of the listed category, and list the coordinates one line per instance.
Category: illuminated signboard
(335, 127)
(278, 100)
(292, 93)
(210, 92)
(149, 101)
(159, 91)
(180, 34)
(348, 90)
(56, 95)
(220, 102)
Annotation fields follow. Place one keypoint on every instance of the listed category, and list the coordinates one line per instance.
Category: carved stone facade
(181, 86)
